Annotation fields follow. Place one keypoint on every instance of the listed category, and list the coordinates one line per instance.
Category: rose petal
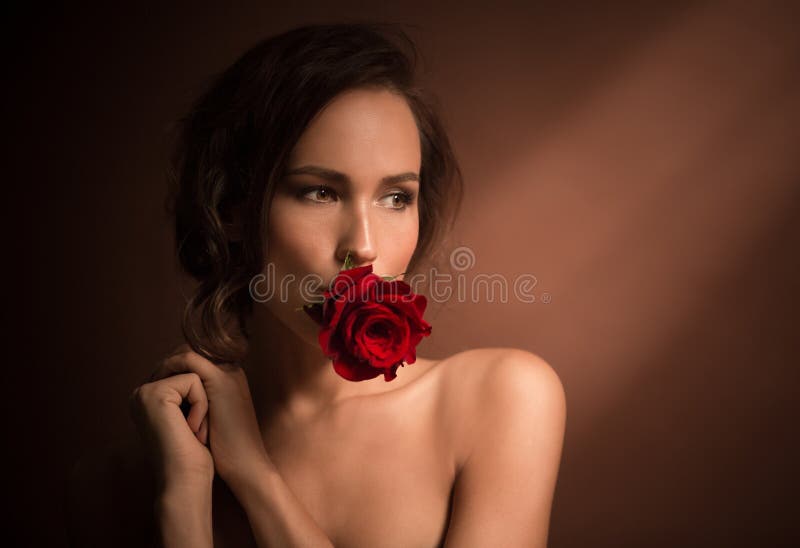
(354, 370)
(370, 326)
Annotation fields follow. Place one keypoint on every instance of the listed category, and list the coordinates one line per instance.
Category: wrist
(246, 479)
(185, 517)
(177, 488)
(181, 499)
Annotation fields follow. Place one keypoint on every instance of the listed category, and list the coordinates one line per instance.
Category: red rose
(369, 325)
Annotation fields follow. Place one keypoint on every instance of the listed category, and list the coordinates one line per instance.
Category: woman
(315, 148)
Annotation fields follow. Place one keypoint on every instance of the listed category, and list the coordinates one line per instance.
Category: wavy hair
(232, 147)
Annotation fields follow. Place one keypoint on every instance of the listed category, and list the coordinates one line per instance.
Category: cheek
(293, 233)
(406, 234)
(410, 242)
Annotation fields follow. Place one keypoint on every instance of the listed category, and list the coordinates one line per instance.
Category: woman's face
(352, 184)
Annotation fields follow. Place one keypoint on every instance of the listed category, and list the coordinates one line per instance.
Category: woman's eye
(318, 193)
(399, 200)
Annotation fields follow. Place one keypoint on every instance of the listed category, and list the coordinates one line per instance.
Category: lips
(320, 289)
(363, 335)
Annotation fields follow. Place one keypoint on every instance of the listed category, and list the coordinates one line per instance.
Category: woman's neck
(290, 378)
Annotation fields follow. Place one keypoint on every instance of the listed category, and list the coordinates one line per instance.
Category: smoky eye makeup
(399, 199)
(321, 191)
(406, 196)
(329, 193)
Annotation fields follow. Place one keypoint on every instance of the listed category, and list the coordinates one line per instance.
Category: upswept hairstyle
(232, 148)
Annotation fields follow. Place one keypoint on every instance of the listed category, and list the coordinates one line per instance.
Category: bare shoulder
(110, 496)
(499, 369)
(482, 386)
(505, 415)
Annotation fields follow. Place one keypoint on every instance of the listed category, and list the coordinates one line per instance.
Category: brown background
(639, 159)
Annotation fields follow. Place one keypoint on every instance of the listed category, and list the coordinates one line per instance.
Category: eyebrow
(339, 177)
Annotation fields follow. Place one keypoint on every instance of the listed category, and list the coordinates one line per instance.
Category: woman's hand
(234, 436)
(174, 443)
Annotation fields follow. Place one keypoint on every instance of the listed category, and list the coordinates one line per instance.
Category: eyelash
(405, 197)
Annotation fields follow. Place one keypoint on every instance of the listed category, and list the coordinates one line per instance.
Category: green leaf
(348, 262)
(391, 278)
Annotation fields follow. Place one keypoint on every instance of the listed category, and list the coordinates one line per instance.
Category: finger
(186, 386)
(198, 399)
(202, 432)
(186, 362)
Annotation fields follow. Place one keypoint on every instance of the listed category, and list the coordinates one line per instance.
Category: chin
(310, 334)
(299, 323)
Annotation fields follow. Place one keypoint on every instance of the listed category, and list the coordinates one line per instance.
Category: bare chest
(377, 474)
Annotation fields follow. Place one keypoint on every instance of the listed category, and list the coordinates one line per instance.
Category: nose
(359, 240)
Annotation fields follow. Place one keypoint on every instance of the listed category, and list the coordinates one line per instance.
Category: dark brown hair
(233, 145)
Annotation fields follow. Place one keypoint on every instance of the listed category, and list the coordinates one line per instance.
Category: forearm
(184, 518)
(277, 518)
